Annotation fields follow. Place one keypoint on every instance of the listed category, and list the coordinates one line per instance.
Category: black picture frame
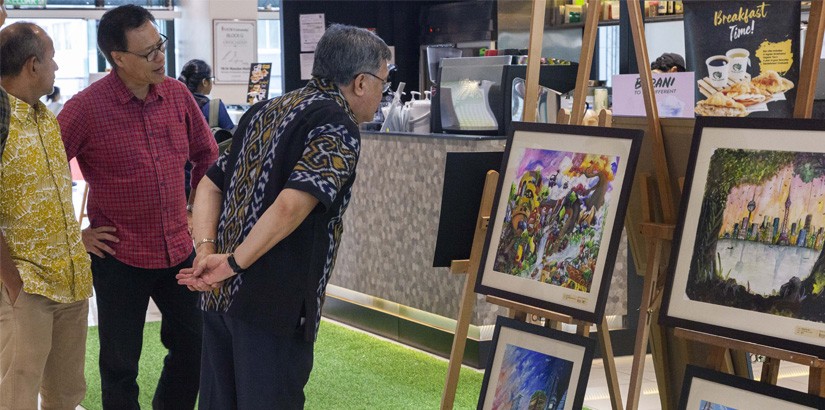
(697, 298)
(726, 391)
(577, 285)
(556, 361)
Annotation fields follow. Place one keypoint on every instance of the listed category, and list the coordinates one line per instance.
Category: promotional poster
(673, 91)
(745, 55)
(258, 89)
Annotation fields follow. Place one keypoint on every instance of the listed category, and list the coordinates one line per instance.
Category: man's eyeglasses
(154, 53)
(385, 84)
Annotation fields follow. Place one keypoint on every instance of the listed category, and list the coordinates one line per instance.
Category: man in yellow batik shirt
(44, 269)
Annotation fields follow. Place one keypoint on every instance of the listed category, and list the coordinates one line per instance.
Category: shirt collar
(22, 111)
(123, 94)
(329, 88)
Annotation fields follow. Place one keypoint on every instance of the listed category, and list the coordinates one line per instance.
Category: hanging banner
(746, 56)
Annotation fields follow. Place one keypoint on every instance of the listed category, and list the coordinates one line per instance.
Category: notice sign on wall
(258, 89)
(745, 55)
(235, 47)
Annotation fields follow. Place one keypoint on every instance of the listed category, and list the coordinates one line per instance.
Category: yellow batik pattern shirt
(36, 212)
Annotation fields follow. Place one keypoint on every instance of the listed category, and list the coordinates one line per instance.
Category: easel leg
(643, 327)
(716, 358)
(462, 326)
(770, 371)
(816, 381)
(606, 345)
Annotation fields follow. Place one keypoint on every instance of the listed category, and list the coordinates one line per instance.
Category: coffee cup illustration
(739, 62)
(718, 67)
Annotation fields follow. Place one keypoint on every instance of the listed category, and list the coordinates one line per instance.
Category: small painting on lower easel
(533, 367)
(705, 389)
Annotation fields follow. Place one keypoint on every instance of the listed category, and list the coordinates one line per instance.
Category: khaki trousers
(42, 351)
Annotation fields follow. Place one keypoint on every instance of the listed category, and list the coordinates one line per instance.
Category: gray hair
(346, 51)
(18, 43)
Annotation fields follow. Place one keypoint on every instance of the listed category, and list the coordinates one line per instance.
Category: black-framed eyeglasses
(155, 52)
(385, 84)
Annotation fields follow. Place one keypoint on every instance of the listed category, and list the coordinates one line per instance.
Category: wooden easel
(803, 108)
(471, 266)
(658, 235)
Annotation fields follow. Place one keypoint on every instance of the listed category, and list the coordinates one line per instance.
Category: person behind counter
(668, 63)
(268, 221)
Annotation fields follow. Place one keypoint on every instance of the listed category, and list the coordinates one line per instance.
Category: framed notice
(235, 48)
(557, 217)
(749, 249)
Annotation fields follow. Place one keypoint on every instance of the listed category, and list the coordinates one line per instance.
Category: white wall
(194, 36)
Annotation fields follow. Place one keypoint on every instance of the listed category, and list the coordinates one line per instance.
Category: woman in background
(197, 75)
(53, 101)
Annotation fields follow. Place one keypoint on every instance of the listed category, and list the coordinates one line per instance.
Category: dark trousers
(246, 366)
(122, 294)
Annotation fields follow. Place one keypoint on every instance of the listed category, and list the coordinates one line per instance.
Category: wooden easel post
(468, 296)
(657, 234)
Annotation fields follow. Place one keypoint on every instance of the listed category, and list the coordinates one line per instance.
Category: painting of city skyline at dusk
(552, 228)
(759, 243)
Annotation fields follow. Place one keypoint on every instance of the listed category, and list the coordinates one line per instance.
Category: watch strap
(233, 264)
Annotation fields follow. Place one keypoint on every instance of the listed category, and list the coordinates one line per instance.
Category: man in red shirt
(132, 133)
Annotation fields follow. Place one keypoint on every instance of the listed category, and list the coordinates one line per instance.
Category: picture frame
(756, 284)
(234, 50)
(557, 217)
(708, 389)
(530, 362)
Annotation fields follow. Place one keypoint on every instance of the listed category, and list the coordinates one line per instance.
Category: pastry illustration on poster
(258, 88)
(745, 55)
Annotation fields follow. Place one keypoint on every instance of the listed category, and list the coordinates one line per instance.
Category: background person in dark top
(197, 75)
(668, 63)
(268, 221)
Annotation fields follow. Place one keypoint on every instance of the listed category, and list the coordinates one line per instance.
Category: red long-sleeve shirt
(132, 153)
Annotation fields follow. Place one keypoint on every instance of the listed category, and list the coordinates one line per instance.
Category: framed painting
(748, 260)
(535, 367)
(705, 389)
(557, 217)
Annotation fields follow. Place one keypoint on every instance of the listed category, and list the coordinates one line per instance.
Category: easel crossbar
(728, 343)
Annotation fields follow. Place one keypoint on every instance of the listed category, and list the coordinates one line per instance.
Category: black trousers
(247, 366)
(122, 293)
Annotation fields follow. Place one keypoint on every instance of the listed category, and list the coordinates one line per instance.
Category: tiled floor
(596, 397)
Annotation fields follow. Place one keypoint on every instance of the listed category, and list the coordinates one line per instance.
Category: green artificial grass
(352, 370)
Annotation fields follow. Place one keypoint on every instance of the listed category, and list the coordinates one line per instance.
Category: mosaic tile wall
(391, 224)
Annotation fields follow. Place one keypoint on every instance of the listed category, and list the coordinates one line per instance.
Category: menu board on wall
(258, 89)
(235, 47)
(746, 56)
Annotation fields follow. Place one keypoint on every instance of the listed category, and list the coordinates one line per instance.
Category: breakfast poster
(745, 55)
(258, 89)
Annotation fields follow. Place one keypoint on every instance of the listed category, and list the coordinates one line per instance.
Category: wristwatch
(234, 265)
